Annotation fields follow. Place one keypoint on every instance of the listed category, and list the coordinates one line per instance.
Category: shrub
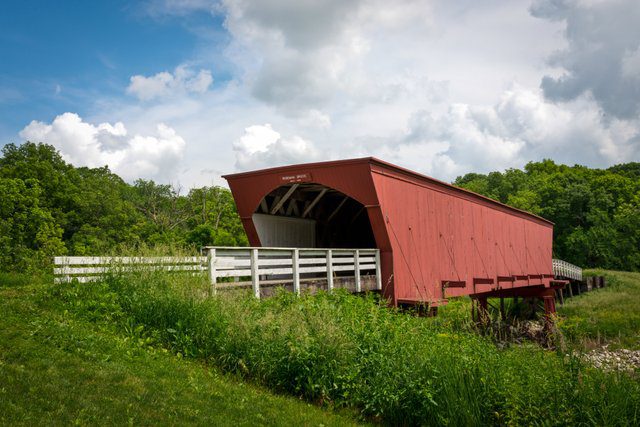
(342, 350)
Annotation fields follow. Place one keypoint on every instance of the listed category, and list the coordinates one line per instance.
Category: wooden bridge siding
(351, 178)
(436, 236)
(415, 261)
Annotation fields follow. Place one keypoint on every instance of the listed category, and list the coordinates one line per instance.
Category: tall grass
(143, 249)
(608, 315)
(346, 351)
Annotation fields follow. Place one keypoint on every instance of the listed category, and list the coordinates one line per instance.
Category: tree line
(49, 207)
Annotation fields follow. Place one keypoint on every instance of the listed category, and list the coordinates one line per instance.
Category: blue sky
(63, 56)
(183, 91)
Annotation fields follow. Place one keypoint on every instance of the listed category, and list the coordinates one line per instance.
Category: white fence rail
(292, 265)
(288, 265)
(90, 269)
(564, 269)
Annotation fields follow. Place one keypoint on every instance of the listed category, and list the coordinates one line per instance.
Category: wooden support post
(571, 289)
(549, 312)
(295, 268)
(561, 293)
(329, 270)
(255, 278)
(264, 206)
(315, 201)
(356, 267)
(211, 261)
(292, 208)
(378, 271)
(277, 206)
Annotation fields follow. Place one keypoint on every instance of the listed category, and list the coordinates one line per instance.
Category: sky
(184, 91)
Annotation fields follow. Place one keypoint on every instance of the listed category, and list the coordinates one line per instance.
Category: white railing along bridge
(252, 265)
(245, 265)
(563, 269)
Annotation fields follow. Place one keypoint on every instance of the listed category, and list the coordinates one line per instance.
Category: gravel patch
(614, 360)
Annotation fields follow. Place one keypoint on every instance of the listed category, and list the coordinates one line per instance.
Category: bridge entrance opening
(312, 216)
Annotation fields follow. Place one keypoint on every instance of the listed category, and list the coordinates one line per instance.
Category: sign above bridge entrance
(298, 177)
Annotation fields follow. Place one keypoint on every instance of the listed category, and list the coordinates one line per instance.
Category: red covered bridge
(435, 240)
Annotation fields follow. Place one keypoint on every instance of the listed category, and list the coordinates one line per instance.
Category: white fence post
(255, 278)
(329, 270)
(356, 266)
(211, 261)
(378, 271)
(286, 264)
(295, 269)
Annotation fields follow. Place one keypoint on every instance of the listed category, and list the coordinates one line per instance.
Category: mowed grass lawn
(609, 315)
(56, 368)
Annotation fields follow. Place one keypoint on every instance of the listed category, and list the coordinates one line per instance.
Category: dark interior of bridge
(340, 221)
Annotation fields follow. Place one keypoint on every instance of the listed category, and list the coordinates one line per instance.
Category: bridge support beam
(479, 306)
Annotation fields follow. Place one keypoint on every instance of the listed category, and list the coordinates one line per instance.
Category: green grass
(63, 362)
(344, 351)
(155, 349)
(607, 315)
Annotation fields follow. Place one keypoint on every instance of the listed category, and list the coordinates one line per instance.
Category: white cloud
(438, 87)
(85, 144)
(164, 84)
(520, 127)
(445, 88)
(301, 56)
(262, 147)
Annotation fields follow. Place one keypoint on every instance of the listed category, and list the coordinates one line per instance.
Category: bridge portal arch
(312, 215)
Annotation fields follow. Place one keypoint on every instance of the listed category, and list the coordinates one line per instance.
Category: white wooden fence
(564, 269)
(90, 269)
(291, 264)
(255, 265)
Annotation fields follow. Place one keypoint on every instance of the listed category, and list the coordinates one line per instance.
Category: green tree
(50, 207)
(29, 235)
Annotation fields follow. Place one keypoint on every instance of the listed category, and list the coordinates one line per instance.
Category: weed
(341, 350)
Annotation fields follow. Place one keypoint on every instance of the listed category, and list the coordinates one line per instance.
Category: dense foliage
(596, 212)
(342, 350)
(49, 207)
